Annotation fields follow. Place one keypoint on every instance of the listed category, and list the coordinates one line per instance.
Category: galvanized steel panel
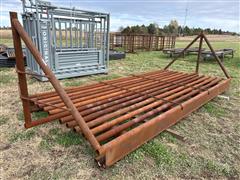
(72, 42)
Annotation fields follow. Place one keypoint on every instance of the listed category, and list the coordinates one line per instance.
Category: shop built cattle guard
(117, 116)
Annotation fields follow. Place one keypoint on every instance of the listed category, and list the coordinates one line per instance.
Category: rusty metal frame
(103, 112)
(18, 34)
(121, 146)
(147, 42)
(202, 37)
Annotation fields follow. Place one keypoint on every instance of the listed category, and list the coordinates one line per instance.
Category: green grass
(65, 139)
(35, 115)
(105, 77)
(38, 115)
(171, 161)
(20, 116)
(22, 136)
(3, 120)
(214, 110)
(160, 153)
(72, 83)
(6, 79)
(6, 41)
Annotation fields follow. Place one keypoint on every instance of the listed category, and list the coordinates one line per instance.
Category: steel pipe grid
(114, 110)
(117, 116)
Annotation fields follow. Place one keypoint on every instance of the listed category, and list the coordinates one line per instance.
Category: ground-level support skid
(117, 116)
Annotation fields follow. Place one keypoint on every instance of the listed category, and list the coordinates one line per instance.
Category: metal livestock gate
(72, 42)
(135, 42)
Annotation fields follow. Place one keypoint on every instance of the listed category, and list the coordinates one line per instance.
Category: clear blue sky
(219, 14)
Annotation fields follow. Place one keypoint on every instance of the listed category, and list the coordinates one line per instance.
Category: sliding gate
(72, 42)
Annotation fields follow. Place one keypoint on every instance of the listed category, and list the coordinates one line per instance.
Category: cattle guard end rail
(127, 141)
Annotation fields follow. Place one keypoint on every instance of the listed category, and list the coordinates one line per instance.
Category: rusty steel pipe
(69, 90)
(111, 100)
(174, 94)
(172, 78)
(119, 147)
(94, 92)
(72, 95)
(77, 94)
(92, 98)
(49, 107)
(77, 129)
(118, 106)
(86, 92)
(112, 132)
(94, 115)
(156, 87)
(88, 99)
(127, 109)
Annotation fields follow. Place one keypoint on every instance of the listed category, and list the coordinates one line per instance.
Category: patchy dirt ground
(51, 151)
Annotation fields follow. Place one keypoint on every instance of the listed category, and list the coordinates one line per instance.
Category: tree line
(5, 27)
(173, 28)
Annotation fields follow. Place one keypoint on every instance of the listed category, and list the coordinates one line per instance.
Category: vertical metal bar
(92, 36)
(84, 35)
(95, 33)
(87, 34)
(101, 35)
(107, 40)
(60, 34)
(22, 80)
(66, 36)
(70, 24)
(75, 32)
(80, 34)
(54, 33)
(104, 32)
(199, 54)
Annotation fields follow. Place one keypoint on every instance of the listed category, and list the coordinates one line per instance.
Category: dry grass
(51, 151)
(214, 38)
(6, 33)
